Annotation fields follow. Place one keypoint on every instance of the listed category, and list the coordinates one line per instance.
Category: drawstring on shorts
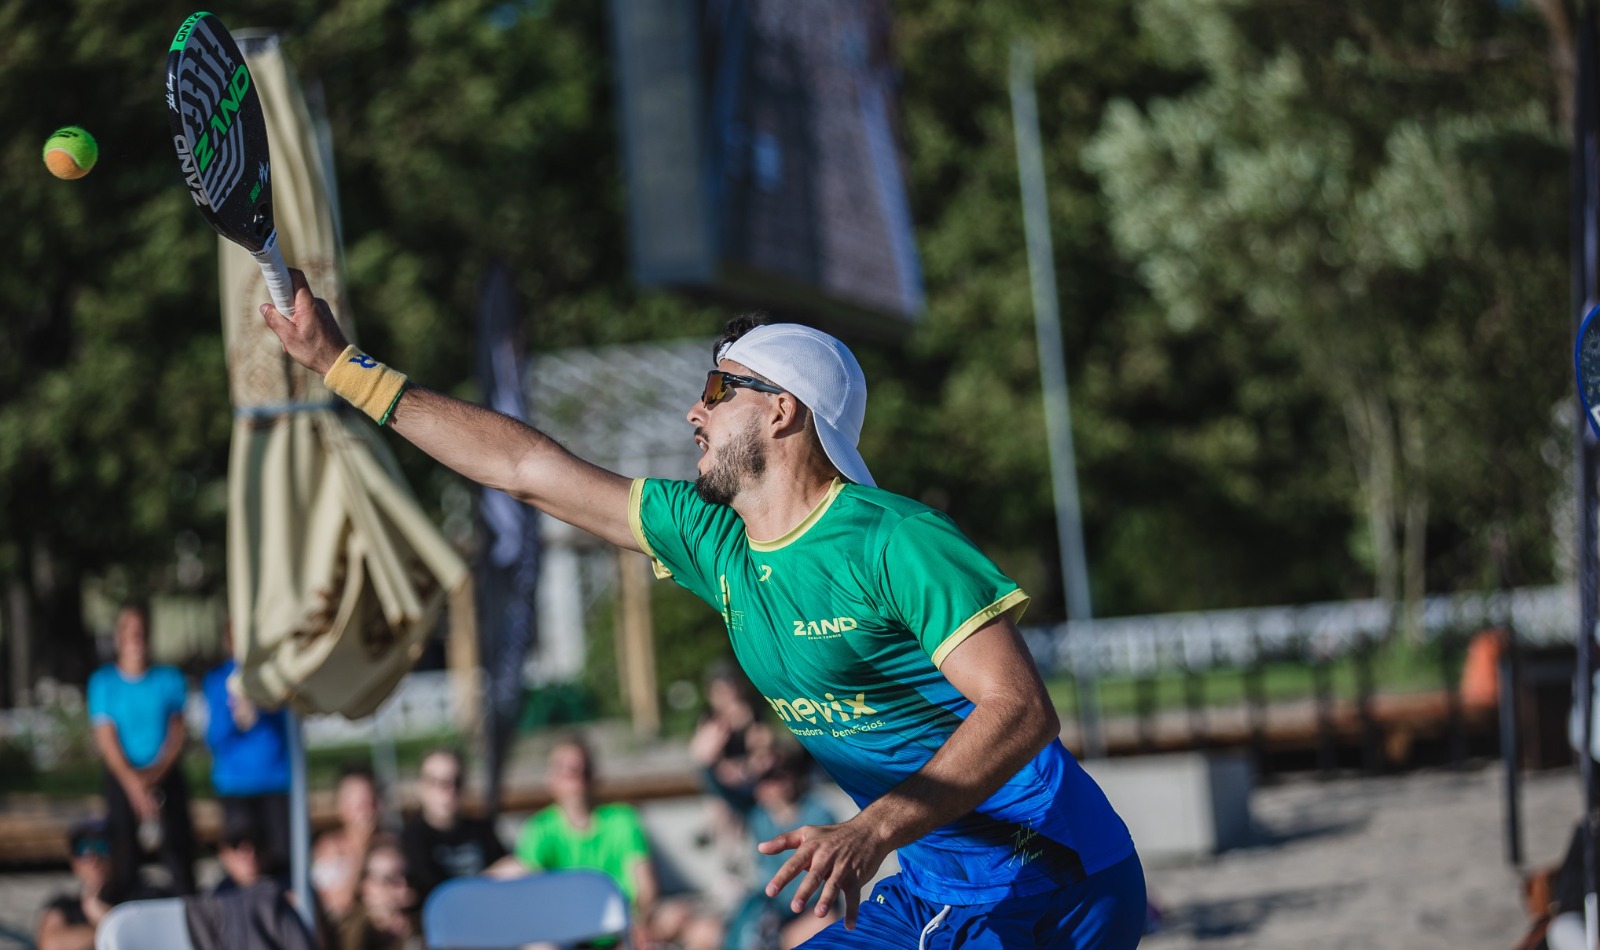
(922, 943)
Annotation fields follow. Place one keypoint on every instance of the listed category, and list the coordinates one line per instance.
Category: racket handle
(276, 273)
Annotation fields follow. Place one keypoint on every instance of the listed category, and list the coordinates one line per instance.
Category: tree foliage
(1380, 188)
(1303, 249)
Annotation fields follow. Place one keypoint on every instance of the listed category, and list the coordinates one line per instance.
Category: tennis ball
(70, 152)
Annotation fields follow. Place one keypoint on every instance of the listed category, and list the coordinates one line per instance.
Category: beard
(742, 456)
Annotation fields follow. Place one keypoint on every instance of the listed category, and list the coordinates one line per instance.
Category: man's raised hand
(313, 338)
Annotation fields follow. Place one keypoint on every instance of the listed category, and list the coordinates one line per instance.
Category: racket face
(1586, 356)
(219, 132)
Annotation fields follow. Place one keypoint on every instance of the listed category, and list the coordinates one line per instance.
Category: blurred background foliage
(1312, 263)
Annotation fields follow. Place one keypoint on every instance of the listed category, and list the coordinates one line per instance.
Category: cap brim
(844, 456)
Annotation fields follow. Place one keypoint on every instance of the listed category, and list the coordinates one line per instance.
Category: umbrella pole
(299, 823)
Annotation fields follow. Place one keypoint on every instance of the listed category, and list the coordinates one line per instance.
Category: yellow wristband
(366, 383)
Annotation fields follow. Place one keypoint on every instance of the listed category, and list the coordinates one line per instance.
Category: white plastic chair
(560, 907)
(144, 925)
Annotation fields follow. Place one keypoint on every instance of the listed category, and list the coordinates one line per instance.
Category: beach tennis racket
(1586, 360)
(221, 138)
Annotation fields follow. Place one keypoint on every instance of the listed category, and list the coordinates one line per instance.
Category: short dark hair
(89, 829)
(240, 829)
(736, 328)
(357, 770)
(138, 605)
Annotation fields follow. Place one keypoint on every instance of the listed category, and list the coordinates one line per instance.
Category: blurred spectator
(136, 711)
(441, 842)
(783, 803)
(248, 910)
(574, 832)
(249, 762)
(385, 915)
(239, 851)
(340, 853)
(732, 747)
(68, 921)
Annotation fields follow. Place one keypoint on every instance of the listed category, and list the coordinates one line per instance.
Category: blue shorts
(1105, 911)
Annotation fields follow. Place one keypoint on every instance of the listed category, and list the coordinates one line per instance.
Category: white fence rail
(1135, 646)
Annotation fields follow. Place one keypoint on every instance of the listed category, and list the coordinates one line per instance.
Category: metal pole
(1585, 264)
(1053, 376)
(299, 824)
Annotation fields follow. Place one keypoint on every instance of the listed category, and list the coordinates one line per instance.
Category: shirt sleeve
(681, 533)
(98, 700)
(177, 698)
(936, 582)
(528, 844)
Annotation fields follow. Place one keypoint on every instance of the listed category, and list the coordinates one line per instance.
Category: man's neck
(578, 812)
(132, 671)
(780, 501)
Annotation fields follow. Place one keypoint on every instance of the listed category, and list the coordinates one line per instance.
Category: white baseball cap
(823, 374)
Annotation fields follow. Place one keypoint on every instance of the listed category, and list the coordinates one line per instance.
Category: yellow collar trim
(805, 524)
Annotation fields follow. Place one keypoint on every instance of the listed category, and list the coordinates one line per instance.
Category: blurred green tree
(1312, 253)
(1379, 189)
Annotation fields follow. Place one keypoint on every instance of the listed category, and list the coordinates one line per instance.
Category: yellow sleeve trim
(636, 525)
(1013, 603)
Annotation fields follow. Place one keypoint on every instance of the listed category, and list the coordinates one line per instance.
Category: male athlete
(873, 628)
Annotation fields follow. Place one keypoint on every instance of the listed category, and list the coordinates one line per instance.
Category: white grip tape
(276, 273)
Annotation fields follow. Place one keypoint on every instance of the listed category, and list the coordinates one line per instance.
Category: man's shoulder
(618, 812)
(875, 499)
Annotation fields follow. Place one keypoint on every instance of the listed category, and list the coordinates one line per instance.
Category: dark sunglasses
(720, 386)
(91, 846)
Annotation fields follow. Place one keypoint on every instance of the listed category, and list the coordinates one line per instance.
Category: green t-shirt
(842, 625)
(613, 843)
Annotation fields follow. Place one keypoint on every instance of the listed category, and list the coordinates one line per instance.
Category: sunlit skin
(240, 862)
(1012, 717)
(133, 643)
(385, 895)
(439, 791)
(335, 859)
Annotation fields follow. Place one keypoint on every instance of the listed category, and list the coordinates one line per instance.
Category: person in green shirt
(575, 832)
(872, 627)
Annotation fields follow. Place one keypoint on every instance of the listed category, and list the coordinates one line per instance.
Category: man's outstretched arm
(490, 448)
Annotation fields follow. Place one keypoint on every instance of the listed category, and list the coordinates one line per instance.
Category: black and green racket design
(221, 138)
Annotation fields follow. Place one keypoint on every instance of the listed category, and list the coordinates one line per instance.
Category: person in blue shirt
(136, 712)
(249, 761)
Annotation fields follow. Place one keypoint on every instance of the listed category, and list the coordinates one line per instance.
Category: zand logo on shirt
(824, 629)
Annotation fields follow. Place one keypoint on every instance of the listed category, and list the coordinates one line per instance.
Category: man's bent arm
(1011, 721)
(490, 448)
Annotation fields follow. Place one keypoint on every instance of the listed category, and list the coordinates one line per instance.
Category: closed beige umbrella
(335, 575)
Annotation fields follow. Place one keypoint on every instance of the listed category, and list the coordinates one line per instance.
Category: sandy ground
(1414, 861)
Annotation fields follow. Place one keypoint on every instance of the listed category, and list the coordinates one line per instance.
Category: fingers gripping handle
(276, 273)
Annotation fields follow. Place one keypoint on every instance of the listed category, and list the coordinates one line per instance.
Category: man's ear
(788, 415)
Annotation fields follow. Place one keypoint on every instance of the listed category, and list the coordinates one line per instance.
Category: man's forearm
(500, 452)
(995, 741)
(171, 750)
(105, 738)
